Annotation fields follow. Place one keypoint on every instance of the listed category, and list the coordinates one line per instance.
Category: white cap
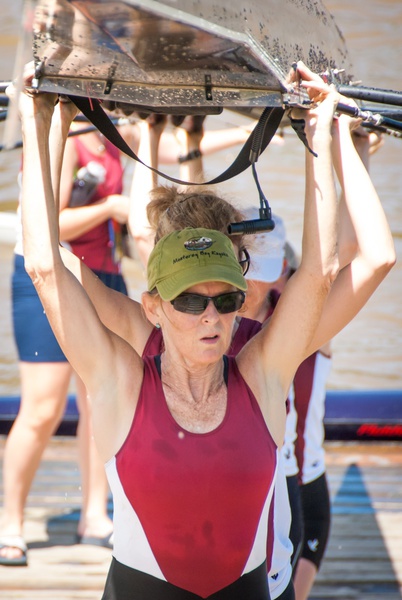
(267, 251)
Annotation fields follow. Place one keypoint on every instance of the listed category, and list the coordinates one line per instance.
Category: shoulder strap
(158, 364)
(225, 369)
(253, 147)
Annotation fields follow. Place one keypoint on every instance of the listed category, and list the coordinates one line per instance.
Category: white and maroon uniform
(280, 548)
(198, 520)
(309, 387)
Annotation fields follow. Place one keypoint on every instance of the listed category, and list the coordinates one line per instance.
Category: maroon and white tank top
(192, 509)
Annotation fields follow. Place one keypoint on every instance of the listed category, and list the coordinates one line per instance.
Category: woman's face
(204, 337)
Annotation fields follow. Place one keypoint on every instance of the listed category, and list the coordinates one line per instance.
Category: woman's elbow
(383, 258)
(387, 261)
(330, 270)
(39, 270)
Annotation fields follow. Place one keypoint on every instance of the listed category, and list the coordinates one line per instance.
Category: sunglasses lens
(195, 304)
(227, 303)
(190, 303)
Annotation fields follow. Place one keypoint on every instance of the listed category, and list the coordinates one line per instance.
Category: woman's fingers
(30, 101)
(305, 73)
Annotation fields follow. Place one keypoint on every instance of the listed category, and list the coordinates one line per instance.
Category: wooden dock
(363, 559)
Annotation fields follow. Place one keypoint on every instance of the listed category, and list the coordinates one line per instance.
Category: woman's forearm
(373, 235)
(144, 180)
(319, 246)
(40, 243)
(75, 222)
(57, 142)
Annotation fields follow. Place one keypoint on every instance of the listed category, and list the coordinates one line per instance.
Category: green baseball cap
(184, 258)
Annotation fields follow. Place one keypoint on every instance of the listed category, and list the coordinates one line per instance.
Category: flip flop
(92, 540)
(13, 541)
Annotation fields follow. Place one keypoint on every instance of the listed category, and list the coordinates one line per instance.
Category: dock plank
(363, 559)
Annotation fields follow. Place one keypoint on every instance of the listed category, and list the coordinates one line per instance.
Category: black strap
(254, 146)
(298, 126)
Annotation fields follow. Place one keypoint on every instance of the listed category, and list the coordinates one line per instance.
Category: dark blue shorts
(32, 333)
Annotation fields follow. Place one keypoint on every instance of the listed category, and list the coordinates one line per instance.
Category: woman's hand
(318, 120)
(119, 207)
(68, 110)
(31, 103)
(157, 122)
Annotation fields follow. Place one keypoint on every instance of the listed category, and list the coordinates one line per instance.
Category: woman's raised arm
(110, 369)
(285, 342)
(118, 312)
(375, 252)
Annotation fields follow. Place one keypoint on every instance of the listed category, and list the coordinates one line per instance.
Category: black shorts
(124, 583)
(316, 508)
(288, 594)
(296, 527)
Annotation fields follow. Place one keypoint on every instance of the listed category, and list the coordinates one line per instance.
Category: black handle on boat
(251, 227)
(371, 94)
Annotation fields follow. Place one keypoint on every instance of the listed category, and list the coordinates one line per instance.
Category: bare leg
(44, 388)
(94, 521)
(306, 572)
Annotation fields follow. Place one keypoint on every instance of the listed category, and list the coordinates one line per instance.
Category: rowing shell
(183, 56)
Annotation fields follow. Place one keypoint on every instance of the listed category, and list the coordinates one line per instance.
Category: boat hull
(183, 56)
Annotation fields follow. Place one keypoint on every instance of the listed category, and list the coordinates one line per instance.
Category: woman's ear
(151, 304)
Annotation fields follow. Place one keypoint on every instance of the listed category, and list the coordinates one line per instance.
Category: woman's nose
(210, 313)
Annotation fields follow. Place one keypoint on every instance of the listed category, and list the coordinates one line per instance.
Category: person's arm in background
(172, 144)
(185, 144)
(75, 222)
(144, 180)
(189, 137)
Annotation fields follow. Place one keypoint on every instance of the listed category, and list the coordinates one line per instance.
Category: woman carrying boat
(169, 211)
(114, 379)
(90, 220)
(211, 535)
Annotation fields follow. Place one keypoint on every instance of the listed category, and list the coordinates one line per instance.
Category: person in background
(94, 231)
(195, 304)
(309, 391)
(269, 268)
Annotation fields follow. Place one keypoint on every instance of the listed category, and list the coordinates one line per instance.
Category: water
(368, 353)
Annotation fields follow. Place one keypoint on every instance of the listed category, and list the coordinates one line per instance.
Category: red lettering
(374, 430)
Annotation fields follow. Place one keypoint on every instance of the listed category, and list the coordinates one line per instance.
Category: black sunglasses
(244, 262)
(195, 304)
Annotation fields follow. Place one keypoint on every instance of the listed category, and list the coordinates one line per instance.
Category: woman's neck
(197, 382)
(196, 398)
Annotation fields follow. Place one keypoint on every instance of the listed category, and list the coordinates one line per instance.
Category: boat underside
(183, 56)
